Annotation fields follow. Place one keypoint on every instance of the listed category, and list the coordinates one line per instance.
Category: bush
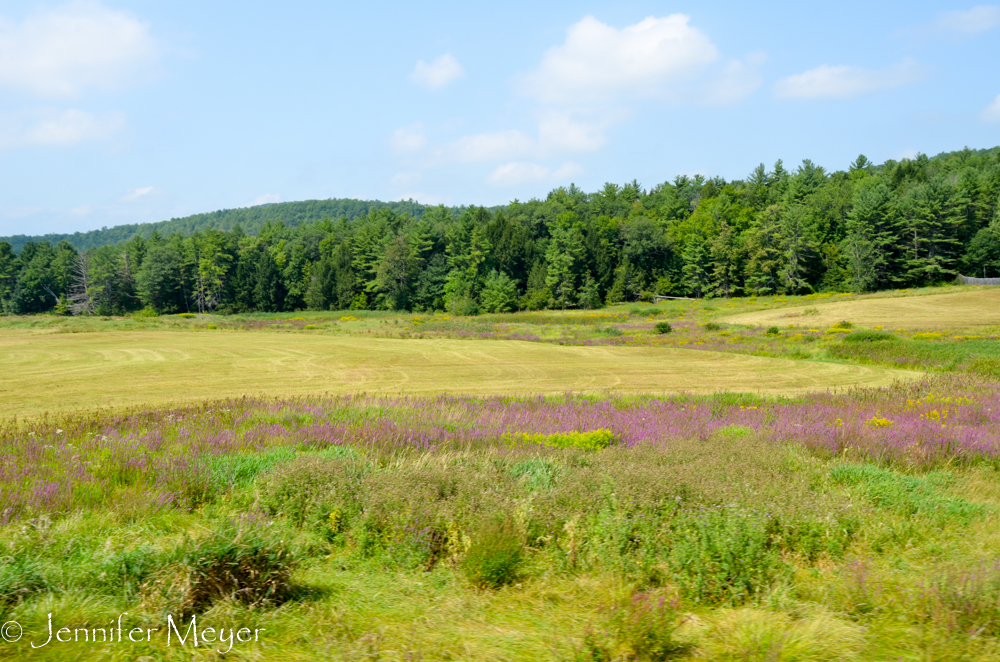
(237, 560)
(185, 315)
(724, 557)
(811, 311)
(590, 440)
(495, 556)
(773, 331)
(868, 336)
(713, 326)
(663, 327)
(309, 489)
(843, 324)
(611, 331)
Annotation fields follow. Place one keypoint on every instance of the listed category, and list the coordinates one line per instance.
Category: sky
(117, 112)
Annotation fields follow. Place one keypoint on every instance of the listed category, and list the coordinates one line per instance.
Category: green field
(570, 486)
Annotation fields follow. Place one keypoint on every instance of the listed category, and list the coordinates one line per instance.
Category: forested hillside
(908, 223)
(251, 219)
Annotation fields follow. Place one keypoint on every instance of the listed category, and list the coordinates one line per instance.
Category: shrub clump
(309, 489)
(713, 326)
(868, 336)
(773, 331)
(236, 561)
(590, 440)
(843, 324)
(724, 557)
(663, 327)
(495, 556)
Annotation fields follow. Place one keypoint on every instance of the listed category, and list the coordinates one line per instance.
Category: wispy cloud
(58, 128)
(841, 82)
(957, 25)
(518, 173)
(408, 139)
(992, 112)
(438, 73)
(63, 51)
(138, 193)
(265, 199)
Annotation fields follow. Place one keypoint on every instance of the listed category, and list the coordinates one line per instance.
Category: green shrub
(713, 326)
(185, 315)
(868, 336)
(811, 311)
(773, 331)
(590, 440)
(495, 556)
(236, 560)
(19, 577)
(309, 489)
(721, 556)
(145, 313)
(843, 324)
(663, 327)
(611, 331)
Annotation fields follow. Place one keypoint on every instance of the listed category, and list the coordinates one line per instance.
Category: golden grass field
(951, 310)
(61, 372)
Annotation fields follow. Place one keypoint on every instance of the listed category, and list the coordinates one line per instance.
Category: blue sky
(117, 112)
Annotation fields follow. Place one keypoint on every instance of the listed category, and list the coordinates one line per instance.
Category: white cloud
(957, 25)
(494, 146)
(138, 193)
(51, 127)
(517, 173)
(597, 61)
(265, 199)
(992, 112)
(842, 82)
(61, 52)
(409, 139)
(82, 210)
(980, 18)
(438, 73)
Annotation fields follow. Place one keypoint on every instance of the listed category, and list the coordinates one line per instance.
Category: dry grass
(73, 371)
(958, 309)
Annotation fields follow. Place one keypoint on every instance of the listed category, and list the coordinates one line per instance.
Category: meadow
(816, 488)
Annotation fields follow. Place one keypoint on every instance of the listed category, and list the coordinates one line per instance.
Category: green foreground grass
(735, 549)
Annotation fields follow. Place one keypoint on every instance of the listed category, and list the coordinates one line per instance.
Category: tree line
(906, 223)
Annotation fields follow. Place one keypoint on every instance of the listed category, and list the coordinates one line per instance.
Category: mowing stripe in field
(61, 372)
(954, 310)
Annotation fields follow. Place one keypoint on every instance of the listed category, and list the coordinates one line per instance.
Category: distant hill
(251, 219)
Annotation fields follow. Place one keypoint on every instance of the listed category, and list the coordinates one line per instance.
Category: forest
(906, 223)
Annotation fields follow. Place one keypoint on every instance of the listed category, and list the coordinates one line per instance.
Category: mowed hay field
(46, 372)
(953, 310)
